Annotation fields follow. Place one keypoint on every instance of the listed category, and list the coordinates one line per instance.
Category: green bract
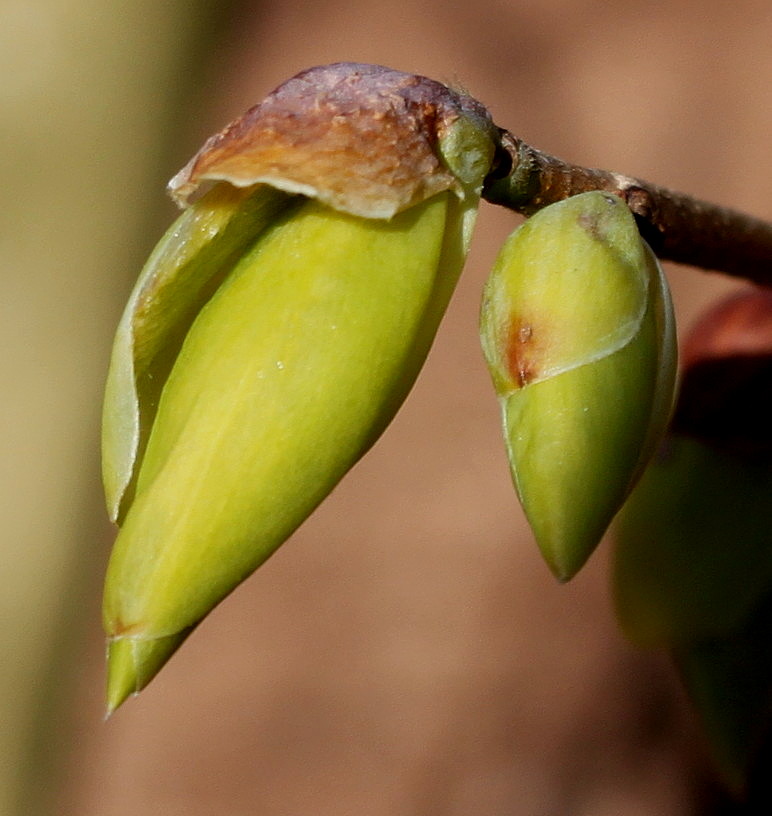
(184, 270)
(274, 333)
(577, 329)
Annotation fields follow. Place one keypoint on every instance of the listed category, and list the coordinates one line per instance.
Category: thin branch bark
(678, 227)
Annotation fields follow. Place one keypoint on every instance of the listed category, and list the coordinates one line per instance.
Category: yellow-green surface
(182, 273)
(286, 377)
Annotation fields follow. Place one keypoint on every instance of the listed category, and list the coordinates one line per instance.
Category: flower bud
(692, 561)
(692, 555)
(578, 332)
(274, 333)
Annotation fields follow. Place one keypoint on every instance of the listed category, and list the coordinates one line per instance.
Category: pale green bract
(181, 274)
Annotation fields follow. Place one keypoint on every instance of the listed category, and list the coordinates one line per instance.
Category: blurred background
(407, 651)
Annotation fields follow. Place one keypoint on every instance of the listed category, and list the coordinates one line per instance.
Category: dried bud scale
(360, 138)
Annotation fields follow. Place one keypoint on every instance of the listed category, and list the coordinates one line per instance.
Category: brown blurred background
(407, 653)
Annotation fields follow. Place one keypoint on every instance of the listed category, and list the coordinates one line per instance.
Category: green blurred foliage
(85, 111)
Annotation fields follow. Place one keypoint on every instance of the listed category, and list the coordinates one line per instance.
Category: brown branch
(678, 227)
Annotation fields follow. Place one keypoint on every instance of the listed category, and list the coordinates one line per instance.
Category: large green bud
(273, 334)
(578, 332)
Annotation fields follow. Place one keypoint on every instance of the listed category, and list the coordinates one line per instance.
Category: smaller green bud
(577, 328)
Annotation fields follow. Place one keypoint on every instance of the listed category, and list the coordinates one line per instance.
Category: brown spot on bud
(119, 629)
(523, 352)
(596, 222)
(590, 223)
(360, 138)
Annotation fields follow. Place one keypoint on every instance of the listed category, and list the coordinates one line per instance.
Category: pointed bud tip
(565, 572)
(566, 555)
(132, 662)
